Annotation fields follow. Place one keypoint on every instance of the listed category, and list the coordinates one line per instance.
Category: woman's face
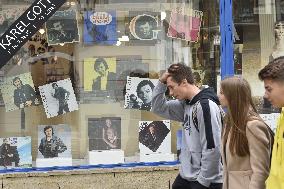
(223, 99)
(145, 94)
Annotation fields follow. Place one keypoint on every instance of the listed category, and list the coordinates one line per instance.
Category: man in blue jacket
(200, 156)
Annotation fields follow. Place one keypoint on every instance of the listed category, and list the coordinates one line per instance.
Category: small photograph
(99, 74)
(62, 27)
(15, 152)
(58, 98)
(104, 133)
(139, 93)
(100, 28)
(143, 28)
(54, 141)
(154, 136)
(185, 24)
(18, 92)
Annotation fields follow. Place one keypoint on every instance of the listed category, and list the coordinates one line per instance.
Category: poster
(139, 93)
(54, 141)
(18, 92)
(62, 27)
(154, 137)
(104, 133)
(15, 152)
(58, 98)
(185, 24)
(100, 28)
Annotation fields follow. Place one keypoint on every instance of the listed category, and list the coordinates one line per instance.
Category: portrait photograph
(143, 28)
(62, 27)
(139, 93)
(185, 25)
(18, 92)
(154, 136)
(100, 74)
(104, 133)
(15, 152)
(58, 98)
(54, 141)
(100, 28)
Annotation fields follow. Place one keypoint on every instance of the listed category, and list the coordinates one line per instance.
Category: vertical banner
(25, 27)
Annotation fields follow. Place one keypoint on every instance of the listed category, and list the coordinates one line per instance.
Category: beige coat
(249, 172)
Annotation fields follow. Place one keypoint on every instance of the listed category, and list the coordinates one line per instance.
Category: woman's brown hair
(240, 110)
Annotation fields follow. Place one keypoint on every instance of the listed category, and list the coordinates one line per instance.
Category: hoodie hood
(207, 93)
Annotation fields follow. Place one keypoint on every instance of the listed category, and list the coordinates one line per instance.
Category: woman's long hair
(240, 110)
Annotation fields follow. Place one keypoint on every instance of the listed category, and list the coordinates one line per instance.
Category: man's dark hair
(17, 78)
(48, 127)
(99, 61)
(180, 72)
(274, 70)
(54, 84)
(144, 83)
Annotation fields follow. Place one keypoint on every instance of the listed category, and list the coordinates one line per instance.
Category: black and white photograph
(143, 27)
(58, 98)
(154, 136)
(104, 133)
(15, 152)
(54, 141)
(18, 92)
(139, 93)
(62, 27)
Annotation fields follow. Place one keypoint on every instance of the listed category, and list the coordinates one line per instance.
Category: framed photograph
(18, 92)
(54, 141)
(100, 27)
(154, 136)
(139, 93)
(15, 152)
(104, 133)
(62, 27)
(58, 98)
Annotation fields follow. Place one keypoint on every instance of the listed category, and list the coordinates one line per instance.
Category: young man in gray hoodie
(200, 157)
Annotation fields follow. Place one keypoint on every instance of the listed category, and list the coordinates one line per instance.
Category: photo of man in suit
(62, 95)
(8, 154)
(24, 95)
(106, 79)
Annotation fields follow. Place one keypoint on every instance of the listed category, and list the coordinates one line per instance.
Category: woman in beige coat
(246, 139)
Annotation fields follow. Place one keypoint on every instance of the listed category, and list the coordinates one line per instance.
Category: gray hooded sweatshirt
(201, 134)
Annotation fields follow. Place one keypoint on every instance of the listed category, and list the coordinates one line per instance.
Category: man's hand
(164, 77)
(22, 105)
(28, 103)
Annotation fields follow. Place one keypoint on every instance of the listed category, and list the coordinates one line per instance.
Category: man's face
(145, 94)
(55, 86)
(152, 129)
(48, 132)
(279, 31)
(17, 83)
(146, 29)
(108, 122)
(274, 92)
(101, 69)
(176, 90)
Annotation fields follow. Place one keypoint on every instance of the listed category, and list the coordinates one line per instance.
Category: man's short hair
(48, 127)
(17, 78)
(99, 61)
(144, 83)
(273, 71)
(180, 72)
(54, 84)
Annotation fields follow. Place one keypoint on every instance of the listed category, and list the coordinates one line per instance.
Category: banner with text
(25, 27)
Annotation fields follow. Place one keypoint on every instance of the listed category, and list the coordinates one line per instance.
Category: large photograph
(154, 136)
(15, 152)
(54, 141)
(104, 133)
(139, 93)
(62, 27)
(18, 92)
(58, 98)
(100, 28)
